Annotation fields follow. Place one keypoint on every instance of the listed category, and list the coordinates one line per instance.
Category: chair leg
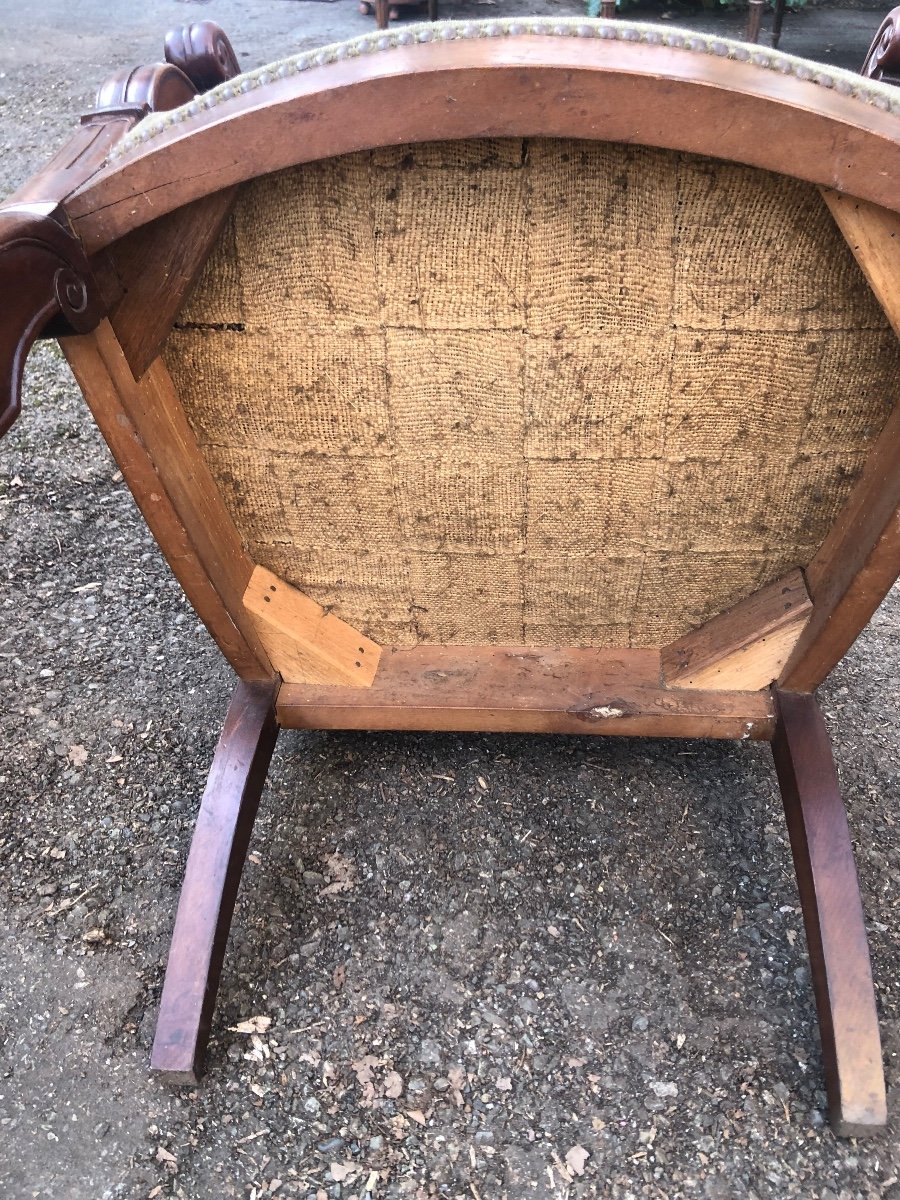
(777, 23)
(211, 880)
(833, 916)
(754, 20)
(382, 10)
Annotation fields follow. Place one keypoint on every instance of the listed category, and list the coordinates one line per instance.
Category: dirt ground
(557, 967)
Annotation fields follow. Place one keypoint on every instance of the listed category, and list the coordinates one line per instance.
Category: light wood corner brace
(745, 648)
(306, 643)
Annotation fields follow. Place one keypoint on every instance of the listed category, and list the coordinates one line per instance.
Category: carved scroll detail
(44, 271)
(155, 88)
(883, 59)
(43, 266)
(203, 52)
(198, 57)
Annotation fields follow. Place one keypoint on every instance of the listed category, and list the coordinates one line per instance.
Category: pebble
(429, 1051)
(331, 1146)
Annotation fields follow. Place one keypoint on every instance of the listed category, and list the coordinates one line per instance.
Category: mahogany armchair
(553, 394)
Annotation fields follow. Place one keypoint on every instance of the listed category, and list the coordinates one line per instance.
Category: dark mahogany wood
(174, 490)
(43, 273)
(778, 21)
(854, 568)
(389, 10)
(154, 88)
(833, 916)
(883, 59)
(211, 880)
(149, 217)
(203, 52)
(754, 19)
(156, 267)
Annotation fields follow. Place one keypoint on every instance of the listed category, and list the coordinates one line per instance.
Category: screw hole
(272, 587)
(268, 599)
(359, 664)
(361, 650)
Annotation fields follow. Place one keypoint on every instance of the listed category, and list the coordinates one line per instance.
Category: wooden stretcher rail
(510, 689)
(506, 87)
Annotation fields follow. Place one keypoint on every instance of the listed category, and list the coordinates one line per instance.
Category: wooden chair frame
(69, 257)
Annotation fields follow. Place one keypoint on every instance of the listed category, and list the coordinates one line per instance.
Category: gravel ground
(609, 997)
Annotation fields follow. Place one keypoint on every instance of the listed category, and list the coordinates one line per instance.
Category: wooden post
(211, 880)
(833, 916)
(754, 19)
(777, 23)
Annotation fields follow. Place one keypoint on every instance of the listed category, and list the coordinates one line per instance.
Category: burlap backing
(546, 393)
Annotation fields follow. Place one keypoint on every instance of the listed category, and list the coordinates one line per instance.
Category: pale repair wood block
(745, 648)
(305, 643)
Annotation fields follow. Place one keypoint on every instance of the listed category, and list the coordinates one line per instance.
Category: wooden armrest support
(883, 59)
(45, 273)
(45, 276)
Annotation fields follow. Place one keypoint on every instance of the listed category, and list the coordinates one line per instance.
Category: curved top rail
(596, 79)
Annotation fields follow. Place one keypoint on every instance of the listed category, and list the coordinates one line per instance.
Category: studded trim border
(846, 83)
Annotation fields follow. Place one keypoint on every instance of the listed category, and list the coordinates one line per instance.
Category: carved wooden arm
(47, 282)
(883, 60)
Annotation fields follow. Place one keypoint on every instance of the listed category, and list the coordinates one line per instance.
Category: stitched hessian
(542, 392)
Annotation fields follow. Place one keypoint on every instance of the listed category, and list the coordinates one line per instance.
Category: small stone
(429, 1051)
(640, 1024)
(332, 1146)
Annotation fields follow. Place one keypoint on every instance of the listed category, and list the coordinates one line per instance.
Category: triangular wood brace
(746, 647)
(305, 643)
